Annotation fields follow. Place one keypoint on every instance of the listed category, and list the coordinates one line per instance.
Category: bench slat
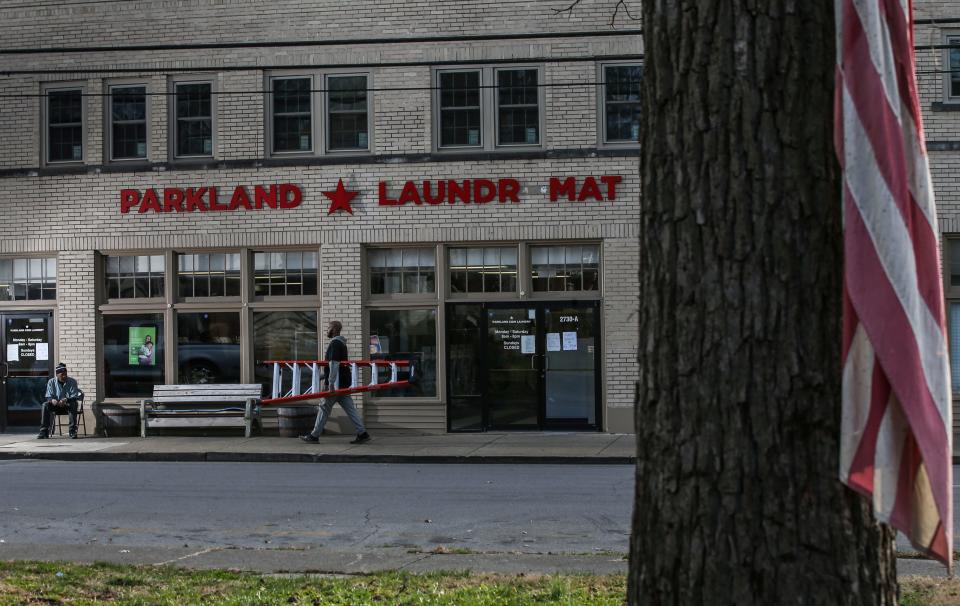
(181, 422)
(187, 399)
(210, 387)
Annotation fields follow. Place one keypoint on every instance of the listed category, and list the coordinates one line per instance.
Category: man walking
(62, 394)
(337, 376)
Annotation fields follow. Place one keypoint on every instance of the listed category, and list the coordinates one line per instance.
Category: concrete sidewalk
(532, 447)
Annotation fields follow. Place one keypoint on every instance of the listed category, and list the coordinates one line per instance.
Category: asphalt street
(480, 508)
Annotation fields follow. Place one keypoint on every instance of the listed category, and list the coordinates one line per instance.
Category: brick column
(76, 323)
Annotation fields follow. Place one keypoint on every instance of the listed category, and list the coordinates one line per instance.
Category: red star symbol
(340, 198)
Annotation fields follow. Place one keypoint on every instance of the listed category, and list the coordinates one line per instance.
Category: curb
(258, 457)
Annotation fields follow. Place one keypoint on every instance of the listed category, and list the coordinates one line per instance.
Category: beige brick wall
(75, 322)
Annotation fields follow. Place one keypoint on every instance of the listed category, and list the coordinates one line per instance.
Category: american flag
(895, 446)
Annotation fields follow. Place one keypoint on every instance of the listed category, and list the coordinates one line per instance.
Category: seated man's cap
(61, 367)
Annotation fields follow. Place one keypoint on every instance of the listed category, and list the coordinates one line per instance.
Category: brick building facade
(376, 97)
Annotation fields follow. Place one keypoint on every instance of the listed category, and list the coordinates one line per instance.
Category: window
(406, 334)
(134, 277)
(402, 271)
(460, 109)
(193, 119)
(133, 359)
(518, 107)
(565, 268)
(487, 108)
(285, 273)
(28, 279)
(128, 122)
(292, 114)
(347, 120)
(283, 335)
(209, 275)
(64, 125)
(483, 270)
(953, 60)
(621, 103)
(208, 347)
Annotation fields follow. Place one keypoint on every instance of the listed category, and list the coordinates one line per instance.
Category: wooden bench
(219, 405)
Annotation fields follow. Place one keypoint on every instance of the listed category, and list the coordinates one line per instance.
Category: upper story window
(193, 119)
(347, 119)
(64, 140)
(518, 107)
(953, 77)
(28, 279)
(292, 105)
(487, 108)
(134, 276)
(128, 122)
(402, 271)
(208, 274)
(285, 273)
(565, 268)
(620, 113)
(483, 270)
(337, 120)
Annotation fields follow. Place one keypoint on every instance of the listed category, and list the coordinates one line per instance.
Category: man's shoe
(309, 438)
(361, 438)
(73, 435)
(42, 435)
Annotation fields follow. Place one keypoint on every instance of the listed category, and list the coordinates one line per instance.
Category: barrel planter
(120, 422)
(293, 421)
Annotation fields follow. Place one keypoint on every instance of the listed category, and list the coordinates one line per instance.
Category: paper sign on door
(43, 351)
(570, 341)
(527, 344)
(553, 341)
(13, 353)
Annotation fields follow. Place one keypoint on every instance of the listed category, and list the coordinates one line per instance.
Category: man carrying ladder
(337, 376)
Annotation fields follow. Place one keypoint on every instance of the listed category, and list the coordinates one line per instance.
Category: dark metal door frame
(5, 372)
(539, 359)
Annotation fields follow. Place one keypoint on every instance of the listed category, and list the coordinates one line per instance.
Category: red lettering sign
(205, 199)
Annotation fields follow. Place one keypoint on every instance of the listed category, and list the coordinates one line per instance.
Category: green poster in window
(143, 341)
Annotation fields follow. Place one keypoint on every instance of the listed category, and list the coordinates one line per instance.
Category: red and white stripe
(895, 445)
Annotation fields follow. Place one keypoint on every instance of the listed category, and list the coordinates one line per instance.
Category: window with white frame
(292, 114)
(128, 122)
(565, 268)
(487, 269)
(193, 119)
(620, 105)
(208, 275)
(402, 271)
(28, 279)
(488, 107)
(285, 273)
(64, 125)
(134, 276)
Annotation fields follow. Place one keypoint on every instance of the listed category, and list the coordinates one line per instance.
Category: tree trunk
(738, 412)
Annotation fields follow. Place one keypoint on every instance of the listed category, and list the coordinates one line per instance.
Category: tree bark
(738, 411)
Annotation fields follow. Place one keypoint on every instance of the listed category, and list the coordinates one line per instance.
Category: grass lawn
(40, 583)
(75, 584)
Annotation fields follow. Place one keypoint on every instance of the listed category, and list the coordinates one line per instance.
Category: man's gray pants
(324, 413)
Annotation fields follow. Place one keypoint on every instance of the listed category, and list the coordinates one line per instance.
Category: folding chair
(58, 422)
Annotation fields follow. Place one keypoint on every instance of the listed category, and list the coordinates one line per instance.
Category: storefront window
(132, 354)
(402, 271)
(482, 270)
(406, 334)
(134, 277)
(28, 279)
(565, 268)
(283, 335)
(209, 275)
(208, 347)
(285, 273)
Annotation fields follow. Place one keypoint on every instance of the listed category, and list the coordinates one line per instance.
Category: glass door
(513, 372)
(26, 362)
(571, 389)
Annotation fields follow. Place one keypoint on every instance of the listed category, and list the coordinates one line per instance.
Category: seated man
(62, 395)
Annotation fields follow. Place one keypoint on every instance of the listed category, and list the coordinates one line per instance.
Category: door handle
(4, 371)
